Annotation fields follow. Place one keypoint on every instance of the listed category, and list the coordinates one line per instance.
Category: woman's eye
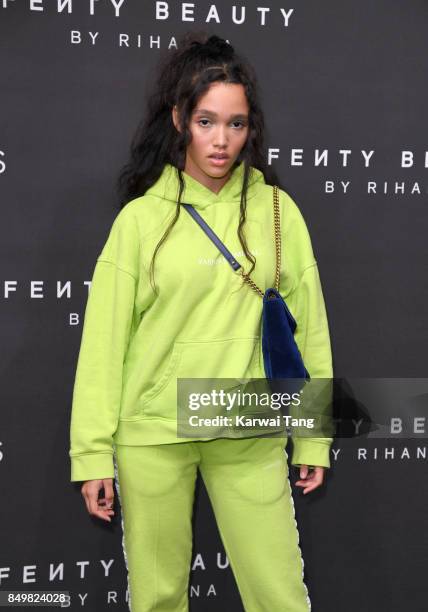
(240, 123)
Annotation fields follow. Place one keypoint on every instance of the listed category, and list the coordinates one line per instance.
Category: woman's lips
(217, 161)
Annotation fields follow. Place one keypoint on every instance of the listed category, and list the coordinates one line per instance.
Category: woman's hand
(310, 480)
(103, 507)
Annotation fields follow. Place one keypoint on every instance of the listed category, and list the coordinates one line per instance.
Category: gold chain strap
(277, 234)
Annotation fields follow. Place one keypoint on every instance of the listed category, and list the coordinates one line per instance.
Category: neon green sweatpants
(248, 486)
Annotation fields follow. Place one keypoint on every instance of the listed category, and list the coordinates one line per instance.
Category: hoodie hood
(199, 196)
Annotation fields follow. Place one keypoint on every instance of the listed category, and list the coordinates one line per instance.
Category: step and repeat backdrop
(345, 96)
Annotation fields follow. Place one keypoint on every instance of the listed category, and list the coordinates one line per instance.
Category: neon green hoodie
(202, 324)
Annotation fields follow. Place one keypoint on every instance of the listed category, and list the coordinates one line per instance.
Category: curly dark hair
(184, 75)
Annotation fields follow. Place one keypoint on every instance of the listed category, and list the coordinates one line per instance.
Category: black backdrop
(337, 76)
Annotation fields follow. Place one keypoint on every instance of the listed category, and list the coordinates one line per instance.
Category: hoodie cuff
(92, 466)
(311, 452)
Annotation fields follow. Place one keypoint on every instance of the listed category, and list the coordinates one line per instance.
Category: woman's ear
(175, 117)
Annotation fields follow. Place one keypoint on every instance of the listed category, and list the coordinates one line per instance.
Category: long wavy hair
(184, 76)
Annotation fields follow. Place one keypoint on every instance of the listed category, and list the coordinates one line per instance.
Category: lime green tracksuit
(202, 324)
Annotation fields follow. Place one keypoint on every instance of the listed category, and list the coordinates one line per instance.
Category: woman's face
(219, 126)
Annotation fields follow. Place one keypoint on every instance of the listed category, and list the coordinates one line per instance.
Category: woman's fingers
(310, 480)
(108, 492)
(100, 508)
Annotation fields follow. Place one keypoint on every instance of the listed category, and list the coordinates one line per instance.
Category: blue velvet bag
(281, 355)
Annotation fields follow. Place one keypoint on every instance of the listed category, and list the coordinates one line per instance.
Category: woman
(190, 316)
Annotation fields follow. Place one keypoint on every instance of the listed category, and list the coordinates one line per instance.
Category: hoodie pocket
(226, 358)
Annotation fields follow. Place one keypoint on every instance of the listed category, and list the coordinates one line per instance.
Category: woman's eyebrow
(204, 111)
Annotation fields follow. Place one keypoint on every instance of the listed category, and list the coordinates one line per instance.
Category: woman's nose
(220, 136)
